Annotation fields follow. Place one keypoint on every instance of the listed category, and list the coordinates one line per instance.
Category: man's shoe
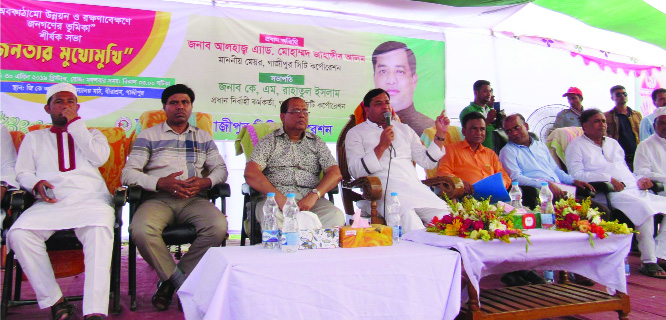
(532, 276)
(162, 297)
(513, 279)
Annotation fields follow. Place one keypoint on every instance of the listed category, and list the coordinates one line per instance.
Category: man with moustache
(375, 148)
(65, 159)
(394, 66)
(469, 160)
(483, 93)
(595, 157)
(646, 126)
(168, 161)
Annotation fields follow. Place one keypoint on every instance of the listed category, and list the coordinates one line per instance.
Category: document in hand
(491, 186)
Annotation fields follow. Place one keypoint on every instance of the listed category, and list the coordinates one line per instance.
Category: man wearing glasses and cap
(168, 161)
(623, 124)
(60, 166)
(570, 117)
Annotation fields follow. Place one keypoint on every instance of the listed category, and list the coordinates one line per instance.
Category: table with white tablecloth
(554, 250)
(404, 281)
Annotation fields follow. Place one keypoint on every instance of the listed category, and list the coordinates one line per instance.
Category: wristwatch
(315, 191)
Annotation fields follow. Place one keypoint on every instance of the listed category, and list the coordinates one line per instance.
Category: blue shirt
(527, 164)
(646, 128)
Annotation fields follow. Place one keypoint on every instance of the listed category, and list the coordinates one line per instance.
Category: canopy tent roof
(635, 29)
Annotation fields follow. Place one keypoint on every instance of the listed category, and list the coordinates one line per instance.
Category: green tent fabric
(634, 18)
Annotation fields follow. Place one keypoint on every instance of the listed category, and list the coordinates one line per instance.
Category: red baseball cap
(573, 90)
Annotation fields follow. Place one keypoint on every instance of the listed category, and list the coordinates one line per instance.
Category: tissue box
(527, 220)
(319, 238)
(376, 235)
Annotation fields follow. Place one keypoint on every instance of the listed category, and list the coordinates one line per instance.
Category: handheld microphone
(387, 118)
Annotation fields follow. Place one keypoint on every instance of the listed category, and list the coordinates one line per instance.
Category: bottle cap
(291, 195)
(393, 194)
(515, 183)
(544, 184)
(270, 194)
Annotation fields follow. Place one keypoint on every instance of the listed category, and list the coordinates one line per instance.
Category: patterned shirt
(159, 151)
(292, 166)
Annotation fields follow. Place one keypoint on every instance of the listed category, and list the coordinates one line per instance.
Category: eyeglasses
(617, 94)
(298, 112)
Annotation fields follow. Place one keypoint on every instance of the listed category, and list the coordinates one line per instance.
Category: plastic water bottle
(627, 269)
(394, 219)
(516, 195)
(547, 209)
(289, 237)
(269, 227)
(549, 276)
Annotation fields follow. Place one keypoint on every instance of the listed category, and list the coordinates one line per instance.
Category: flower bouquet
(573, 216)
(476, 220)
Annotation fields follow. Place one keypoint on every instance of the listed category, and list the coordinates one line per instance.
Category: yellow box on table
(375, 235)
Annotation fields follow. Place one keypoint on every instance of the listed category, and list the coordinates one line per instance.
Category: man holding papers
(469, 160)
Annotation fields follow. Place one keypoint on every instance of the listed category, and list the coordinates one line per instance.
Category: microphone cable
(391, 150)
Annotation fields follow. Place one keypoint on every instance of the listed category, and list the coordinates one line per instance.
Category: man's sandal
(61, 309)
(652, 270)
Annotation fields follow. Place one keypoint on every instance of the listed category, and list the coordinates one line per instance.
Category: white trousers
(418, 218)
(329, 215)
(651, 247)
(30, 250)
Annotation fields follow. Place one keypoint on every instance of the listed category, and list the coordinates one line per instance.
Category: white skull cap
(659, 112)
(59, 87)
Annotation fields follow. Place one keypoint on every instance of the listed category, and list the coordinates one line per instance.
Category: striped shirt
(159, 151)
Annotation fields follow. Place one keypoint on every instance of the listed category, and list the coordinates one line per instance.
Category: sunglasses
(617, 94)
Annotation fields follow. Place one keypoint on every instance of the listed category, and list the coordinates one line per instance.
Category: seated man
(375, 148)
(594, 157)
(646, 125)
(529, 162)
(290, 160)
(65, 160)
(650, 160)
(167, 160)
(469, 160)
(8, 175)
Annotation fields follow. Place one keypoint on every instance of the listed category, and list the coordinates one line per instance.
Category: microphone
(387, 118)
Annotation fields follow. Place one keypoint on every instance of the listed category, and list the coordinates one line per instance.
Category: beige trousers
(156, 213)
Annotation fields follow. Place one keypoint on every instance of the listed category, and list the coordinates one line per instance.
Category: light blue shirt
(527, 164)
(646, 128)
